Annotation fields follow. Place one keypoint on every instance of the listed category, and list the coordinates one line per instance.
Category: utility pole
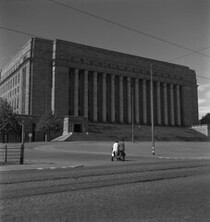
(132, 112)
(22, 133)
(152, 109)
(22, 143)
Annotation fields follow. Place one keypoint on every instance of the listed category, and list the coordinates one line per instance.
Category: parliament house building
(100, 85)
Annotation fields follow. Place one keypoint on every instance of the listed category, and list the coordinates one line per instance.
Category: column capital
(76, 71)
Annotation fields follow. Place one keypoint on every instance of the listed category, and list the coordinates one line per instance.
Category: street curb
(42, 168)
(60, 167)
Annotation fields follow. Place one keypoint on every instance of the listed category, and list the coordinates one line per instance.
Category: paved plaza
(84, 154)
(173, 185)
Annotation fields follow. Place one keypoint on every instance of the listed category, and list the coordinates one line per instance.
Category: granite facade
(102, 85)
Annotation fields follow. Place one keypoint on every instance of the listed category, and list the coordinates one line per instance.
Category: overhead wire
(17, 31)
(139, 32)
(30, 34)
(123, 26)
(127, 27)
(182, 56)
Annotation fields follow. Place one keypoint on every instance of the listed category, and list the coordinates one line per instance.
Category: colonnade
(104, 97)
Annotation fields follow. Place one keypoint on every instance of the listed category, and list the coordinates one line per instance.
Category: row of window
(15, 67)
(15, 104)
(12, 93)
(10, 84)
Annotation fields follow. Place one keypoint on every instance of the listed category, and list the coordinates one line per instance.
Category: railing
(12, 154)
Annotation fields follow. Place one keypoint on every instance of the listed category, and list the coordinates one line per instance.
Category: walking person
(122, 150)
(115, 150)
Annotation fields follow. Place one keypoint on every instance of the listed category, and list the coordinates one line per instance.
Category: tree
(8, 119)
(48, 123)
(205, 119)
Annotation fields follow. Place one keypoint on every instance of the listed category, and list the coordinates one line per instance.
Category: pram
(119, 155)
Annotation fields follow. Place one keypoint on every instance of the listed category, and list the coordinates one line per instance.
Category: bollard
(5, 154)
(22, 154)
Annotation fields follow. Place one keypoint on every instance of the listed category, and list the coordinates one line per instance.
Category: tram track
(49, 174)
(76, 180)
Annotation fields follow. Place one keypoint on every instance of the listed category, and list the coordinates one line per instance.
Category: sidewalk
(28, 165)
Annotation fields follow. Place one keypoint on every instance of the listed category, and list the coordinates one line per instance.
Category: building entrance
(75, 124)
(77, 128)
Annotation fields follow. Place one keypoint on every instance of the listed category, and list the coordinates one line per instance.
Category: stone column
(104, 105)
(178, 105)
(129, 98)
(137, 100)
(112, 98)
(86, 93)
(104, 108)
(165, 103)
(144, 87)
(158, 104)
(121, 100)
(76, 92)
(171, 104)
(95, 105)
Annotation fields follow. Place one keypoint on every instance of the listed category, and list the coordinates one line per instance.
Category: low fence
(12, 154)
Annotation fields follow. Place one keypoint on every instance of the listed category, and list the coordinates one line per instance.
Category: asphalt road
(168, 190)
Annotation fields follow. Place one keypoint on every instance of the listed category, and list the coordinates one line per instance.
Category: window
(18, 102)
(18, 77)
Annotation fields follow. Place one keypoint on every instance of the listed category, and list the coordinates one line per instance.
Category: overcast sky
(158, 29)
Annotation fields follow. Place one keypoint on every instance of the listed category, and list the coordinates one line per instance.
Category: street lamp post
(22, 133)
(22, 143)
(152, 109)
(132, 113)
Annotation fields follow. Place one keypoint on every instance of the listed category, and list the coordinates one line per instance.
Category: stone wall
(55, 75)
(41, 76)
(69, 56)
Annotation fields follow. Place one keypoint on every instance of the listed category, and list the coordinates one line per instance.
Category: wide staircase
(111, 132)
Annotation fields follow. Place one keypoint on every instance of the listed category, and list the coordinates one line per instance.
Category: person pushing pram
(118, 150)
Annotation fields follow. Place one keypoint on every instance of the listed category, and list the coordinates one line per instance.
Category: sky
(166, 30)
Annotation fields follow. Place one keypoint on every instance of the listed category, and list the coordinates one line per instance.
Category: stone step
(62, 137)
